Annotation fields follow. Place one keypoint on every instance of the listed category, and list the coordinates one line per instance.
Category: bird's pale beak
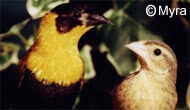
(96, 19)
(139, 49)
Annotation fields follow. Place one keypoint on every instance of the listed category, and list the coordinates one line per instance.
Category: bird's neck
(55, 56)
(153, 84)
(166, 80)
(48, 33)
(65, 41)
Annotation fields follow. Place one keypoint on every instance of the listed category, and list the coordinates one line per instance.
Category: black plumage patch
(69, 14)
(65, 23)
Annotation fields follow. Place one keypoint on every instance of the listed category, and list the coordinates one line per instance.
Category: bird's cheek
(143, 58)
(159, 67)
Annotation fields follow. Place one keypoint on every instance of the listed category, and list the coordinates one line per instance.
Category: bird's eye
(157, 52)
(77, 14)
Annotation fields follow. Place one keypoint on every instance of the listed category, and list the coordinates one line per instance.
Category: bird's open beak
(96, 19)
(139, 49)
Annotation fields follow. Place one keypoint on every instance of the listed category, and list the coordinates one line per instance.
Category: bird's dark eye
(157, 52)
(77, 14)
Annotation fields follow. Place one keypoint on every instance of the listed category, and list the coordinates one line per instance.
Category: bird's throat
(55, 58)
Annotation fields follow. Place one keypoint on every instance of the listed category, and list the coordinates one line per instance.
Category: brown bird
(153, 87)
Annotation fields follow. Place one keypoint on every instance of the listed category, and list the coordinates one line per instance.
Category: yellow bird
(53, 66)
(153, 87)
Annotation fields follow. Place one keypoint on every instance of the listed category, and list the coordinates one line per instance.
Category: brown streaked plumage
(153, 87)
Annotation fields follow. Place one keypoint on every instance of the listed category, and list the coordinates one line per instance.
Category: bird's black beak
(96, 19)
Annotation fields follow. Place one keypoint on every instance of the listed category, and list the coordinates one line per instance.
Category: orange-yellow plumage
(53, 67)
(56, 56)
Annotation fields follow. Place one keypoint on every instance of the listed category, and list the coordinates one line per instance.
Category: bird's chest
(62, 66)
(141, 92)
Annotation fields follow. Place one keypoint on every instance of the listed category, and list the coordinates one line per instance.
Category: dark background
(96, 92)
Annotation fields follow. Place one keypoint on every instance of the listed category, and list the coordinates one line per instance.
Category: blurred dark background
(96, 93)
